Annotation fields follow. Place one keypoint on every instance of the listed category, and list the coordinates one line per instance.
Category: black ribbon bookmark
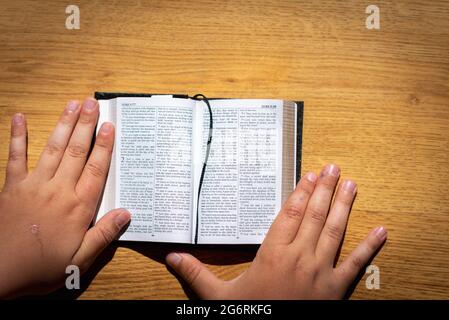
(206, 157)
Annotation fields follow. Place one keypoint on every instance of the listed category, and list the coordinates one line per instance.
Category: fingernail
(122, 219)
(349, 186)
(90, 104)
(381, 233)
(310, 176)
(72, 106)
(106, 127)
(174, 259)
(17, 119)
(330, 169)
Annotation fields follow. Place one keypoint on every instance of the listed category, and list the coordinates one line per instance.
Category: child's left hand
(45, 215)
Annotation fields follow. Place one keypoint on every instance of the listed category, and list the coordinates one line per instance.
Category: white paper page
(107, 203)
(154, 167)
(241, 193)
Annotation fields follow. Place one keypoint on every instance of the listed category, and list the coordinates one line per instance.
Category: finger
(99, 237)
(335, 226)
(94, 175)
(353, 264)
(75, 155)
(54, 149)
(286, 225)
(16, 168)
(197, 276)
(317, 208)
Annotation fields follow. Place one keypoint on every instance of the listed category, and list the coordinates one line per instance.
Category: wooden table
(376, 102)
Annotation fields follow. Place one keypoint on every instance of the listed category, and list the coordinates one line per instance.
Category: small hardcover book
(199, 170)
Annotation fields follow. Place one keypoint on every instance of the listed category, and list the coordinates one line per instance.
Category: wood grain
(376, 103)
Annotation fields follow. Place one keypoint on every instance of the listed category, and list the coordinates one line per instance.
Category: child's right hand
(45, 215)
(297, 258)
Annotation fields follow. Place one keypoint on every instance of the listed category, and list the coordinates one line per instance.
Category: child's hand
(45, 215)
(296, 260)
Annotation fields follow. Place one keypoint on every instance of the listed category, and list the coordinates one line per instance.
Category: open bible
(156, 166)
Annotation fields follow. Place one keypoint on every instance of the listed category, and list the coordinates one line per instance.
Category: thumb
(99, 237)
(197, 276)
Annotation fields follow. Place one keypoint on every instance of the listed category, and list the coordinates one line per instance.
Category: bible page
(153, 167)
(241, 192)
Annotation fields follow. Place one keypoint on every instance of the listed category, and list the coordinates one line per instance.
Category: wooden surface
(376, 102)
